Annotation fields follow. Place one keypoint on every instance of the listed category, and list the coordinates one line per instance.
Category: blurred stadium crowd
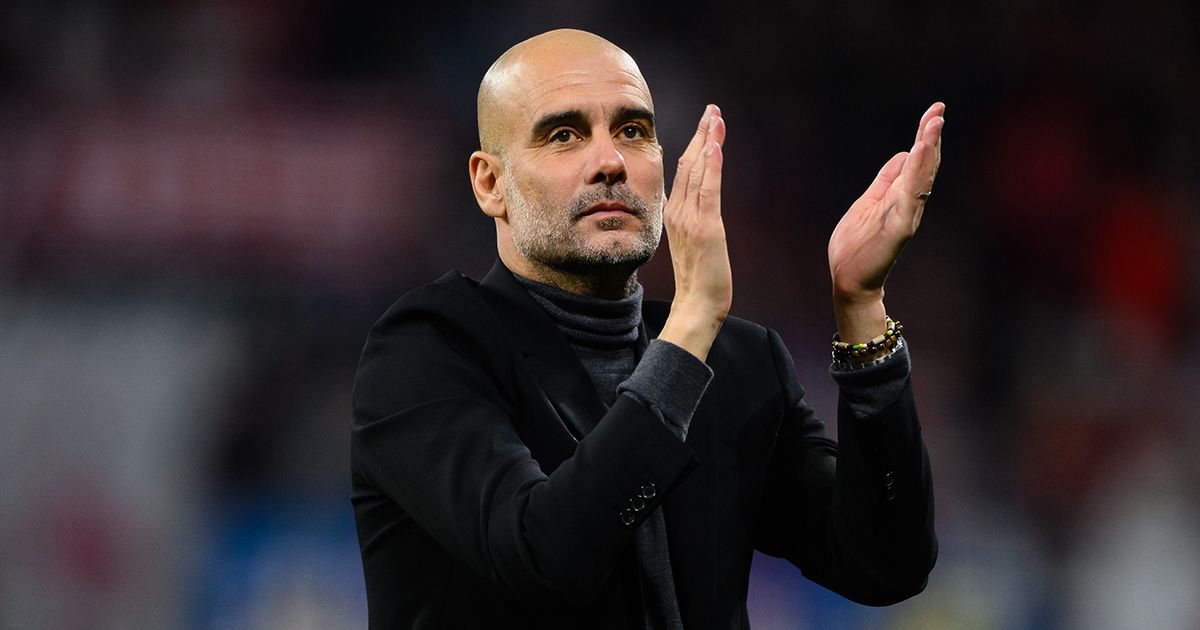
(205, 204)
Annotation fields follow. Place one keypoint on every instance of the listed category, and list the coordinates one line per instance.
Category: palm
(869, 237)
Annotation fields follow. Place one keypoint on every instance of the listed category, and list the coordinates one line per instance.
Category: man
(525, 457)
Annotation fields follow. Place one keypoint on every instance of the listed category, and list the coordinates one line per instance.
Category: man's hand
(867, 240)
(696, 237)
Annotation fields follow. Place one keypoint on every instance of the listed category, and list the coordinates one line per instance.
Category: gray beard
(548, 236)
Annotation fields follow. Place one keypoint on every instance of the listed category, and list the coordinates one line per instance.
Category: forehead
(598, 83)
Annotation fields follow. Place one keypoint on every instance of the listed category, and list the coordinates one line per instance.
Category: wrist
(856, 296)
(850, 356)
(692, 329)
(859, 318)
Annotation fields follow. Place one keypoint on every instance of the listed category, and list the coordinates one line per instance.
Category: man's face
(583, 174)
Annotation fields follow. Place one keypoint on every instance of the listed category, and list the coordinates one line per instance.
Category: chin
(615, 242)
(627, 249)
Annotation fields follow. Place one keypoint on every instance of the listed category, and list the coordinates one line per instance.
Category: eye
(632, 132)
(562, 136)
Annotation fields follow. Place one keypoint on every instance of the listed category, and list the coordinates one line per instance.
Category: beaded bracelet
(845, 352)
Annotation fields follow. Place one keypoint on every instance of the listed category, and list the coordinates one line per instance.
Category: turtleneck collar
(586, 320)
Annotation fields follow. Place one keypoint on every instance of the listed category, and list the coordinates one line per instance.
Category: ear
(485, 180)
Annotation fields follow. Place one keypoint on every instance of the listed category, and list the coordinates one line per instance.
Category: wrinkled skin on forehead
(532, 69)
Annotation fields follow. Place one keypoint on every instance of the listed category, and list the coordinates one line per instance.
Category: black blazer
(493, 489)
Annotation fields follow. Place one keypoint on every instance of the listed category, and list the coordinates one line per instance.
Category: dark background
(204, 206)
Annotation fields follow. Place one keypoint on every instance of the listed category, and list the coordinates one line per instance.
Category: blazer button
(649, 491)
(637, 504)
(627, 517)
(889, 480)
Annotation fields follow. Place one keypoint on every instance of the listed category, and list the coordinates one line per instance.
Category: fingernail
(708, 148)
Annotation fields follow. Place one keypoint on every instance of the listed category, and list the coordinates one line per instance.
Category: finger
(883, 181)
(911, 181)
(710, 188)
(717, 128)
(919, 178)
(687, 160)
(901, 197)
(696, 146)
(700, 166)
(937, 109)
(935, 135)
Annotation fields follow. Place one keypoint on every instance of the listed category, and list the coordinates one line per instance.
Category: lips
(607, 207)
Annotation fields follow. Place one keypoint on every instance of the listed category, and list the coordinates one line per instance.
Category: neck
(609, 282)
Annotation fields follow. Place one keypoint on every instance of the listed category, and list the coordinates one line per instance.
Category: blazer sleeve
(434, 433)
(855, 517)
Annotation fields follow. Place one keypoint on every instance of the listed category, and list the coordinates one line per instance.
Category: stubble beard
(553, 237)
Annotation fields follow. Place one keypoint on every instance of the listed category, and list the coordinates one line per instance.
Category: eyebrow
(637, 113)
(577, 118)
(572, 118)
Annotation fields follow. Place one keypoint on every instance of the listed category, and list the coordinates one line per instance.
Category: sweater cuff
(872, 389)
(670, 382)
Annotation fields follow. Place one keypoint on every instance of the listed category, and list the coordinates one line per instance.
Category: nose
(607, 164)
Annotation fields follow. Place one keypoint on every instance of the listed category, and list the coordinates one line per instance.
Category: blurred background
(204, 205)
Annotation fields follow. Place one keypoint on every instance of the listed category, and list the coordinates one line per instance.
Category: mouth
(607, 209)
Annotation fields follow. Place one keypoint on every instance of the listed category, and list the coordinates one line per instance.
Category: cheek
(649, 177)
(549, 186)
(537, 203)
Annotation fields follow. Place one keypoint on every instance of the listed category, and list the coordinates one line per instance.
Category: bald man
(545, 449)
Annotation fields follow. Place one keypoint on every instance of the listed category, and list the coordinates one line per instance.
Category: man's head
(570, 167)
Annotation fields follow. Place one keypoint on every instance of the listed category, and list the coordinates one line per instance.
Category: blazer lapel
(548, 354)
